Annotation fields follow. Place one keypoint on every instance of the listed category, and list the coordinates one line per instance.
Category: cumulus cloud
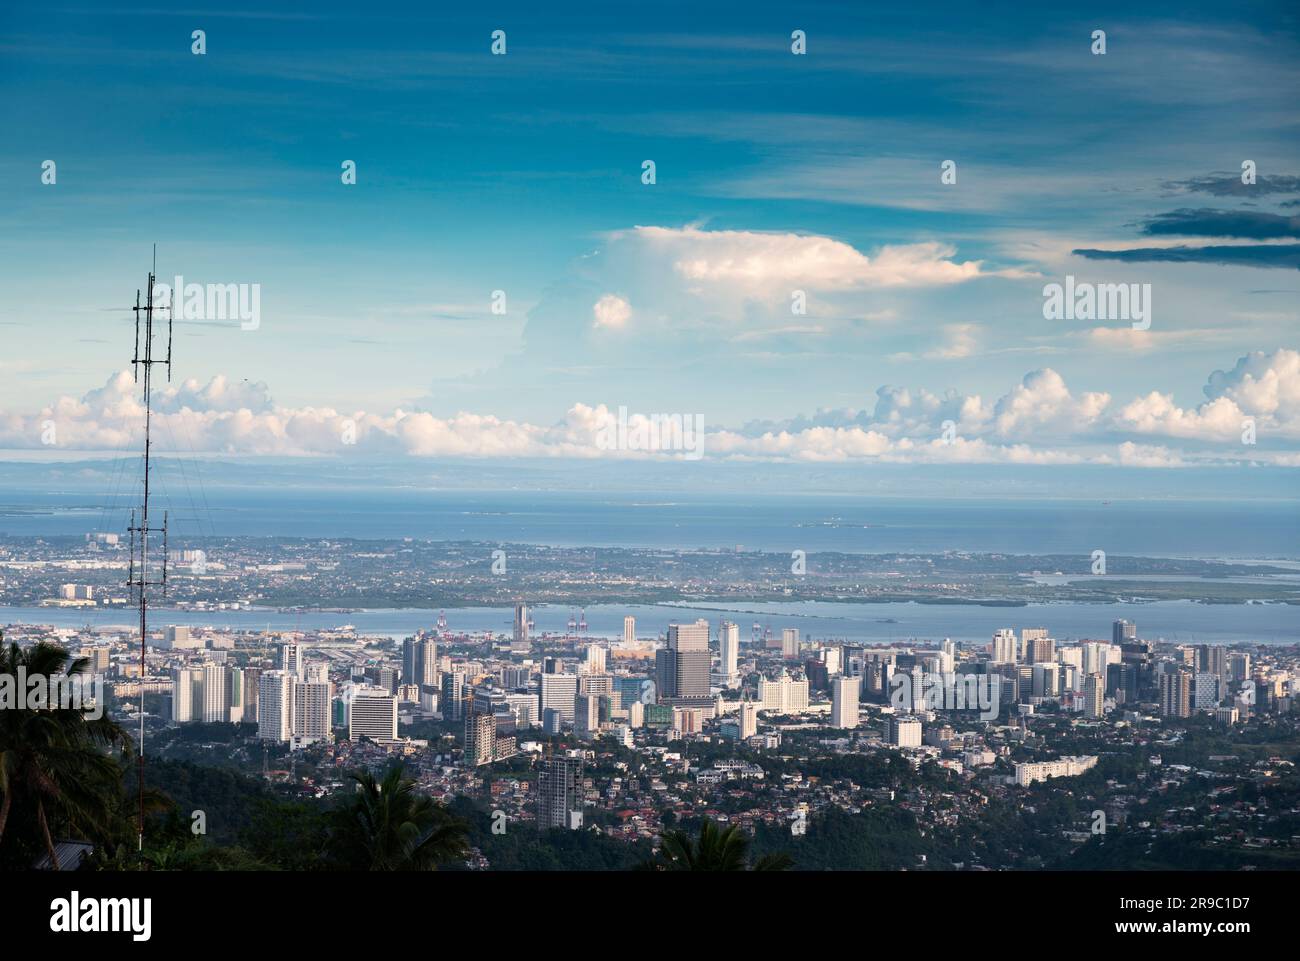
(1040, 420)
(611, 311)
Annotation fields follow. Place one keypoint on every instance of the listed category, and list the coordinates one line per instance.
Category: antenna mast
(138, 575)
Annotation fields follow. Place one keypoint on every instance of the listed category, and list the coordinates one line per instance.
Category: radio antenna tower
(139, 570)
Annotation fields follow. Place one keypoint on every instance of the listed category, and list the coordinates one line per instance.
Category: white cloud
(612, 312)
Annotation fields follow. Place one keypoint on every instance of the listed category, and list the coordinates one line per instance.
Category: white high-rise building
(790, 642)
(184, 682)
(1094, 696)
(728, 652)
(689, 637)
(629, 629)
(844, 701)
(904, 731)
(275, 706)
(748, 719)
(372, 713)
(595, 662)
(560, 691)
(784, 695)
(291, 660)
(311, 710)
(216, 694)
(1006, 649)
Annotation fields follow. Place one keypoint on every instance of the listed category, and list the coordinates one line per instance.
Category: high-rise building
(216, 694)
(275, 706)
(559, 801)
(560, 693)
(1039, 650)
(1122, 632)
(728, 653)
(1094, 696)
(521, 624)
(480, 739)
(372, 713)
(1005, 646)
(419, 661)
(683, 667)
(595, 660)
(629, 629)
(184, 683)
(311, 710)
(1205, 691)
(784, 695)
(844, 701)
(452, 701)
(1238, 666)
(291, 660)
(790, 642)
(586, 721)
(1212, 659)
(904, 730)
(1176, 693)
(748, 719)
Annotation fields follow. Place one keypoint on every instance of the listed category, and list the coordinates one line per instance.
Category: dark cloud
(1271, 255)
(1230, 185)
(1222, 223)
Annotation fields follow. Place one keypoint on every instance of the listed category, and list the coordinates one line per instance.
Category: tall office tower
(1238, 666)
(388, 678)
(1206, 692)
(216, 695)
(1046, 679)
(1212, 659)
(586, 718)
(311, 710)
(1027, 636)
(480, 739)
(729, 652)
(595, 661)
(513, 678)
(1176, 693)
(790, 642)
(412, 663)
(184, 681)
(844, 701)
(833, 658)
(1005, 646)
(521, 623)
(238, 699)
(559, 793)
(904, 730)
(629, 629)
(275, 706)
(419, 661)
(948, 647)
(252, 675)
(1039, 650)
(525, 708)
(98, 657)
(635, 714)
(560, 692)
(683, 668)
(291, 660)
(453, 695)
(1122, 632)
(1094, 696)
(372, 713)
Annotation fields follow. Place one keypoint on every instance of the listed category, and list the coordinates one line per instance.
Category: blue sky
(775, 172)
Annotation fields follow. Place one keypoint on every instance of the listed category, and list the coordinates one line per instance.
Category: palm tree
(716, 849)
(55, 761)
(386, 826)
